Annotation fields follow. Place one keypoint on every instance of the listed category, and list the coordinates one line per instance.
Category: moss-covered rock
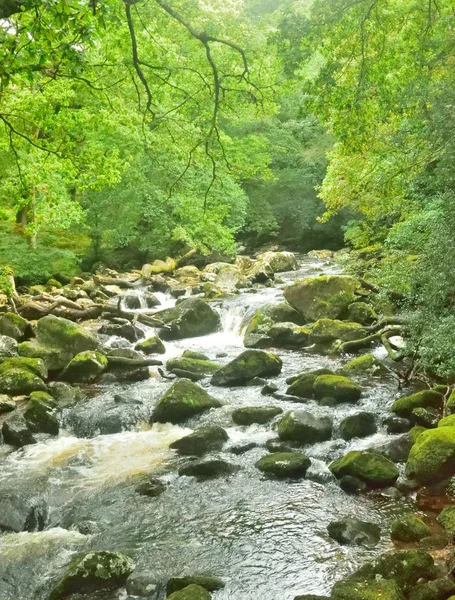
(447, 519)
(54, 358)
(404, 406)
(40, 414)
(354, 532)
(409, 528)
(208, 469)
(246, 366)
(302, 385)
(451, 403)
(326, 296)
(184, 399)
(208, 582)
(385, 589)
(415, 432)
(191, 368)
(189, 318)
(284, 464)
(362, 313)
(433, 590)
(158, 266)
(152, 345)
(130, 332)
(279, 261)
(85, 367)
(432, 457)
(447, 421)
(341, 388)
(428, 418)
(359, 425)
(191, 592)
(14, 326)
(328, 330)
(303, 427)
(257, 331)
(255, 414)
(205, 439)
(371, 468)
(94, 571)
(57, 332)
(366, 363)
(22, 376)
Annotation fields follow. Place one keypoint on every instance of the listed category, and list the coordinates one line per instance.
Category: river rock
(40, 414)
(428, 418)
(352, 485)
(311, 597)
(289, 335)
(158, 267)
(450, 405)
(246, 366)
(22, 376)
(284, 464)
(190, 318)
(371, 468)
(94, 571)
(85, 367)
(16, 432)
(6, 404)
(256, 334)
(303, 427)
(397, 450)
(8, 346)
(354, 532)
(14, 326)
(208, 468)
(385, 589)
(128, 331)
(326, 296)
(145, 585)
(205, 439)
(447, 421)
(447, 519)
(64, 394)
(191, 368)
(278, 261)
(329, 330)
(152, 345)
(248, 415)
(360, 365)
(409, 528)
(359, 425)
(440, 589)
(397, 424)
(21, 512)
(191, 592)
(432, 457)
(342, 389)
(208, 582)
(302, 385)
(153, 487)
(183, 400)
(361, 312)
(404, 406)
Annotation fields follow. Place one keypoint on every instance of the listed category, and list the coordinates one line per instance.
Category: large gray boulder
(189, 318)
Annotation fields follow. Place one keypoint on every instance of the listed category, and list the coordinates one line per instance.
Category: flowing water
(266, 538)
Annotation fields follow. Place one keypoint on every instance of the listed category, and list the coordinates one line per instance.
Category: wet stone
(354, 532)
(152, 488)
(208, 469)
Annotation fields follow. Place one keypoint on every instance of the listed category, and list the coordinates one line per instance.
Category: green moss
(32, 365)
(53, 283)
(203, 440)
(409, 528)
(20, 381)
(451, 403)
(302, 385)
(359, 425)
(305, 428)
(191, 592)
(152, 345)
(328, 330)
(362, 364)
(246, 366)
(403, 407)
(373, 469)
(338, 387)
(183, 400)
(384, 589)
(85, 367)
(415, 432)
(447, 519)
(269, 315)
(13, 326)
(284, 464)
(208, 582)
(432, 457)
(255, 414)
(57, 332)
(39, 414)
(54, 358)
(447, 421)
(361, 312)
(191, 368)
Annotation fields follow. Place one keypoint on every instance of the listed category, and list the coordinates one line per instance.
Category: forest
(279, 172)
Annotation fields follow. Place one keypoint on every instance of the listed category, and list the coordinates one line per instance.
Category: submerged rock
(206, 439)
(284, 464)
(326, 296)
(21, 512)
(152, 488)
(432, 457)
(208, 469)
(184, 399)
(354, 532)
(85, 367)
(341, 388)
(208, 582)
(255, 414)
(189, 318)
(94, 571)
(371, 468)
(246, 366)
(301, 426)
(409, 528)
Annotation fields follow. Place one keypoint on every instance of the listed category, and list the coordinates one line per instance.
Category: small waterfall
(232, 318)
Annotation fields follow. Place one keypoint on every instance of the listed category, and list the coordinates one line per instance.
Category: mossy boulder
(447, 519)
(303, 427)
(432, 457)
(248, 415)
(354, 532)
(85, 367)
(14, 326)
(439, 589)
(208, 469)
(361, 312)
(404, 406)
(205, 439)
(428, 418)
(158, 267)
(40, 414)
(289, 335)
(184, 399)
(152, 345)
(359, 425)
(284, 464)
(341, 388)
(415, 432)
(329, 330)
(191, 368)
(409, 528)
(326, 296)
(371, 468)
(54, 358)
(189, 318)
(451, 403)
(447, 421)
(302, 385)
(246, 366)
(257, 331)
(94, 571)
(22, 376)
(384, 589)
(191, 592)
(366, 363)
(279, 261)
(208, 582)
